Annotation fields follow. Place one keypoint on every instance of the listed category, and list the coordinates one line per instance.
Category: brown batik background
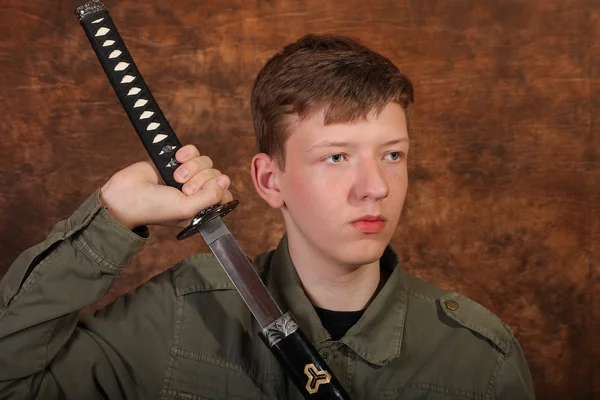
(503, 203)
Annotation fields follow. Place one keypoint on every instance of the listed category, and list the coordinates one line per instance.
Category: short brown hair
(317, 71)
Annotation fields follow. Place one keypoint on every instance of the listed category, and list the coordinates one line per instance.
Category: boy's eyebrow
(396, 141)
(329, 143)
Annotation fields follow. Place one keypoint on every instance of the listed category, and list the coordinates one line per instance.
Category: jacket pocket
(192, 376)
(424, 391)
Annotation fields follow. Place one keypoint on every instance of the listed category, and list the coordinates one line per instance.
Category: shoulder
(452, 311)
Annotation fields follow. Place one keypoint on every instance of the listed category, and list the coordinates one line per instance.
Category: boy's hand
(137, 196)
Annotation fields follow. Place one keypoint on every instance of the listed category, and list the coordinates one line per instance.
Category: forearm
(46, 287)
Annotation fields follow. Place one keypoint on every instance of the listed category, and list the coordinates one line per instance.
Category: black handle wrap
(304, 365)
(143, 111)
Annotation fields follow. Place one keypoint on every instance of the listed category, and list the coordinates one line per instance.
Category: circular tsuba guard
(206, 215)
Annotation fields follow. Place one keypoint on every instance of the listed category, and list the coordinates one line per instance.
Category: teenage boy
(331, 119)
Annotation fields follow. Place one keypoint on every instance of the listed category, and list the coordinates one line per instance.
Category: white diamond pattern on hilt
(159, 138)
(127, 79)
(172, 163)
(102, 31)
(115, 54)
(121, 66)
(140, 103)
(146, 114)
(133, 91)
(153, 126)
(108, 43)
(167, 149)
(98, 21)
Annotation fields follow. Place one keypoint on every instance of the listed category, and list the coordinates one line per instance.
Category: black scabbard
(303, 364)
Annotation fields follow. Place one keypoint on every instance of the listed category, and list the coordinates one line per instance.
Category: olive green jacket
(187, 334)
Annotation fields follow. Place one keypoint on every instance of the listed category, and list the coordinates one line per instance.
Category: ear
(265, 175)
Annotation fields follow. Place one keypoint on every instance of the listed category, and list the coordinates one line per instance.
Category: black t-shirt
(337, 323)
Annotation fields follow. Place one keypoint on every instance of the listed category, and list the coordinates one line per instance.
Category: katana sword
(279, 331)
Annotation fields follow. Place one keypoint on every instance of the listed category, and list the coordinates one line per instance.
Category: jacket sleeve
(47, 350)
(513, 381)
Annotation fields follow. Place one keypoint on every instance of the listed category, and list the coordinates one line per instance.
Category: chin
(364, 251)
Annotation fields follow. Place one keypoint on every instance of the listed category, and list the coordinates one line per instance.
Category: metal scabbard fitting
(89, 8)
(280, 329)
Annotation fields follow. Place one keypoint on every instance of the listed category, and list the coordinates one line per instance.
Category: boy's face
(344, 184)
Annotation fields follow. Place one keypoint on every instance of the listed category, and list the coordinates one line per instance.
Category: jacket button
(326, 354)
(451, 305)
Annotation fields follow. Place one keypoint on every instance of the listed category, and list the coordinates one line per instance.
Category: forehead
(388, 125)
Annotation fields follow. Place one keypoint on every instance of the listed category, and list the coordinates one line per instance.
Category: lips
(370, 218)
(369, 223)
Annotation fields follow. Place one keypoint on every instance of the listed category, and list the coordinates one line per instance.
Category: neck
(331, 285)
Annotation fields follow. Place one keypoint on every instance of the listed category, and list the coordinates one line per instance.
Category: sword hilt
(143, 111)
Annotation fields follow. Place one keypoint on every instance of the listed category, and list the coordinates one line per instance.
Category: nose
(371, 181)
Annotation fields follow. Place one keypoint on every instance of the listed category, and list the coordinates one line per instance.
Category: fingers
(198, 181)
(193, 166)
(203, 185)
(186, 153)
(211, 193)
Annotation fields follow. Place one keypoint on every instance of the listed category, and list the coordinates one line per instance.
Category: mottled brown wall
(503, 205)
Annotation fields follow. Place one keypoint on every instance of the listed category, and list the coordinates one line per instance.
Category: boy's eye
(335, 158)
(394, 155)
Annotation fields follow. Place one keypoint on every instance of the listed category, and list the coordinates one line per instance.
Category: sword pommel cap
(89, 8)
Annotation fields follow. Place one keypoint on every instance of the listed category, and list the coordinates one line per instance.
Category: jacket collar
(376, 337)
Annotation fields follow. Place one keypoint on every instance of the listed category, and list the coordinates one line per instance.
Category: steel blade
(241, 272)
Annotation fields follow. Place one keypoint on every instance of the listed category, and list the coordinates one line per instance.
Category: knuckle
(186, 153)
(180, 155)
(204, 176)
(191, 149)
(206, 162)
(198, 183)
(199, 164)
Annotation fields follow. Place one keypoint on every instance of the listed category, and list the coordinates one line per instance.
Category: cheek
(396, 172)
(315, 193)
(397, 176)
(297, 190)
